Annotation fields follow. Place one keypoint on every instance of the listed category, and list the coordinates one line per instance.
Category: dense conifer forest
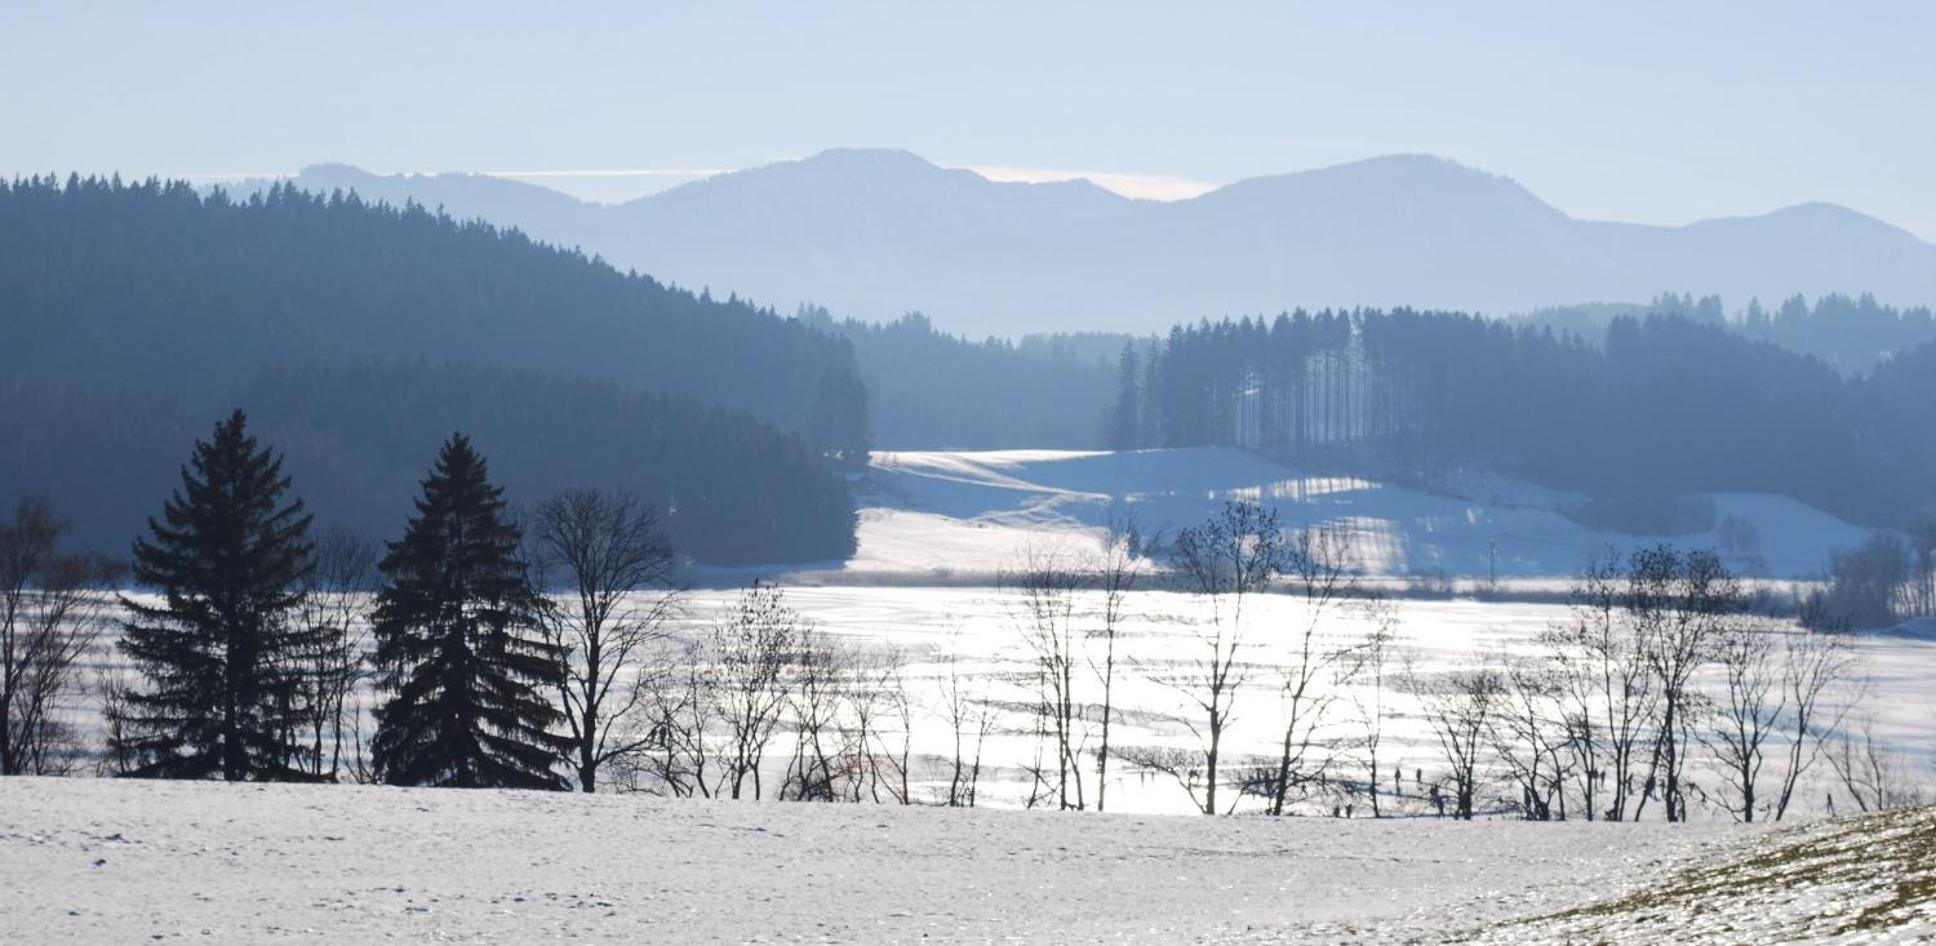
(137, 312)
(1661, 406)
(936, 390)
(1853, 334)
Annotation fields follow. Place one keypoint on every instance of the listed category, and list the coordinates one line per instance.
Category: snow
(949, 514)
(95, 860)
(980, 627)
(1919, 629)
(1864, 880)
(89, 860)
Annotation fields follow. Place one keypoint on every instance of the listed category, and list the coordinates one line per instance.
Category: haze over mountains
(877, 233)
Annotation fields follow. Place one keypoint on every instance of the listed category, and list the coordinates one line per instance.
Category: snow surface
(947, 514)
(96, 860)
(980, 627)
(93, 860)
(1862, 880)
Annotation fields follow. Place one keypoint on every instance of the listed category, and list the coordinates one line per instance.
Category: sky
(1643, 111)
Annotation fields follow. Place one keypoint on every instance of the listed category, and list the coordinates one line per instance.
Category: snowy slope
(1863, 880)
(967, 512)
(93, 860)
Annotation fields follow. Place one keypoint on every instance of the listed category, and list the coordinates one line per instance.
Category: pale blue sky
(1655, 112)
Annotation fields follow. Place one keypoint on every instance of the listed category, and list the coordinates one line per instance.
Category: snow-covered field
(981, 628)
(99, 861)
(954, 514)
(982, 511)
(110, 861)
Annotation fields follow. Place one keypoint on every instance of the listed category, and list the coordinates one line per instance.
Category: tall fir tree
(1123, 429)
(218, 653)
(837, 424)
(457, 644)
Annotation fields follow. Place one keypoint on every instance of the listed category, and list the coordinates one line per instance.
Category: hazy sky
(1654, 112)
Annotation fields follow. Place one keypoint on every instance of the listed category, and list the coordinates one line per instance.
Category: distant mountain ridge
(876, 233)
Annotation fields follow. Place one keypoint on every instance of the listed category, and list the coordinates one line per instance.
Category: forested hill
(134, 315)
(151, 282)
(1661, 407)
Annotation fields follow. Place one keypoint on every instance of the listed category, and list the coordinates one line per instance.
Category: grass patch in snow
(1865, 879)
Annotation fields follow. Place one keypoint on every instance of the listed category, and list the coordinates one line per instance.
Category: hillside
(363, 335)
(875, 234)
(1861, 880)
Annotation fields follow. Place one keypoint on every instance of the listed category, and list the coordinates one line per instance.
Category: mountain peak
(875, 232)
(868, 158)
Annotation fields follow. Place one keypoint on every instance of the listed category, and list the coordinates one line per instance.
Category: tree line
(1852, 334)
(935, 390)
(1661, 407)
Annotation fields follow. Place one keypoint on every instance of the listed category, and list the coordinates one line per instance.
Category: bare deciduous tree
(331, 657)
(617, 568)
(1679, 603)
(970, 720)
(1747, 711)
(1874, 777)
(53, 605)
(1318, 564)
(676, 705)
(1459, 708)
(1043, 589)
(1372, 661)
(1608, 689)
(1119, 570)
(1529, 735)
(754, 652)
(882, 715)
(1222, 563)
(1817, 661)
(825, 754)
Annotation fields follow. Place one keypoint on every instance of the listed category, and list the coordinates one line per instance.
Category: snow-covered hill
(965, 513)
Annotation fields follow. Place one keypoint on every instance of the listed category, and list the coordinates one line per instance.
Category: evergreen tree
(218, 652)
(457, 645)
(837, 422)
(1125, 427)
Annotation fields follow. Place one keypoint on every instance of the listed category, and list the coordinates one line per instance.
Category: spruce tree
(218, 652)
(458, 648)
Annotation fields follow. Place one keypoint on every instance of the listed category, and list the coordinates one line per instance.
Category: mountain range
(877, 233)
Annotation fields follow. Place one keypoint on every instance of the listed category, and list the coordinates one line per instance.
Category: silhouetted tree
(615, 566)
(222, 693)
(458, 648)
